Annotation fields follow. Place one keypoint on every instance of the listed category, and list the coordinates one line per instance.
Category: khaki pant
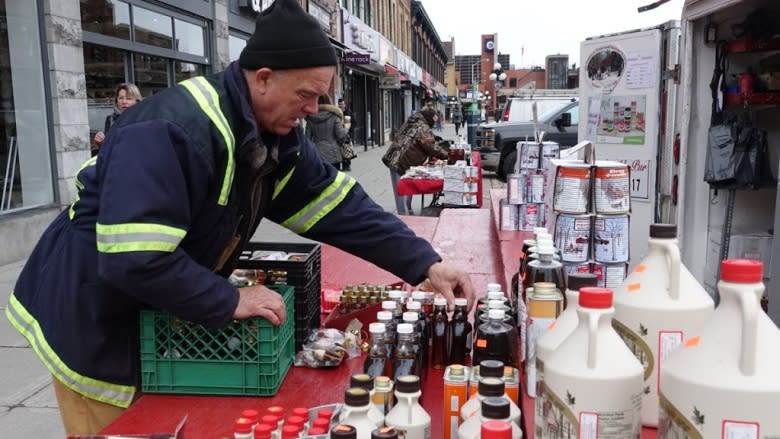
(82, 415)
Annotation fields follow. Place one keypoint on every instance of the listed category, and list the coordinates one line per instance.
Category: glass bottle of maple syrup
(440, 328)
(405, 357)
(460, 333)
(377, 362)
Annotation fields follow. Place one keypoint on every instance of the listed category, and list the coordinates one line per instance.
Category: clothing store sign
(356, 58)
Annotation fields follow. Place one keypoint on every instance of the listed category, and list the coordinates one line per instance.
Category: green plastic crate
(247, 357)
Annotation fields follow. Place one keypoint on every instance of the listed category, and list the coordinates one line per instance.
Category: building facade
(60, 61)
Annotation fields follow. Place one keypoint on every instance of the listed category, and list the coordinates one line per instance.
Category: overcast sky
(542, 28)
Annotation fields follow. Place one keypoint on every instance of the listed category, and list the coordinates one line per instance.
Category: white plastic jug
(563, 326)
(408, 415)
(657, 308)
(357, 403)
(592, 383)
(724, 382)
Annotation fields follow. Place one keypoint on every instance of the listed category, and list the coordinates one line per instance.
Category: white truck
(645, 99)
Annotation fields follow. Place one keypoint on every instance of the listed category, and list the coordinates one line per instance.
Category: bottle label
(739, 430)
(557, 418)
(537, 327)
(672, 423)
(637, 345)
(668, 342)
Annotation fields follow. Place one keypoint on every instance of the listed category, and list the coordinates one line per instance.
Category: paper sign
(640, 69)
(639, 183)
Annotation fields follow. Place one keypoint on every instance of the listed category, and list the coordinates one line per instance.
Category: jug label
(668, 342)
(637, 345)
(739, 430)
(673, 424)
(558, 420)
(589, 425)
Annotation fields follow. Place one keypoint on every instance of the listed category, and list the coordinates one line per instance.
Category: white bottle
(408, 415)
(724, 381)
(592, 382)
(563, 326)
(357, 403)
(489, 387)
(657, 308)
(493, 409)
(365, 382)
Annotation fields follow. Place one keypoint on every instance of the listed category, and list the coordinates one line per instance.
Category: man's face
(342, 105)
(281, 98)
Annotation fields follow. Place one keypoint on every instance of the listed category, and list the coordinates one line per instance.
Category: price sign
(640, 177)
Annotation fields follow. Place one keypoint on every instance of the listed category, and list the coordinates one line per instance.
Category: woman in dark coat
(326, 130)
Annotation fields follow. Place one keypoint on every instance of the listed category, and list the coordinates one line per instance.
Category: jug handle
(747, 357)
(593, 328)
(672, 253)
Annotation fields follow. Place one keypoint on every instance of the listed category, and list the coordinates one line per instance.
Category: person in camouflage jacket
(412, 146)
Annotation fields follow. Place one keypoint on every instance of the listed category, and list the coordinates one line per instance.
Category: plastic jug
(493, 409)
(592, 382)
(489, 387)
(563, 326)
(724, 381)
(408, 415)
(357, 403)
(657, 308)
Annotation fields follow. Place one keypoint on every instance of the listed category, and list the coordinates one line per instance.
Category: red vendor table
(422, 186)
(489, 255)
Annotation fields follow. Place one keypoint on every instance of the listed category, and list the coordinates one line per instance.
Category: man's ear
(260, 79)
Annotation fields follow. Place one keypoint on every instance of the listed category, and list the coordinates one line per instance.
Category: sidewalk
(28, 407)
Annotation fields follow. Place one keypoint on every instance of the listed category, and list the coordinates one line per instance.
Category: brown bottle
(440, 328)
(497, 340)
(405, 359)
(377, 362)
(460, 333)
(544, 269)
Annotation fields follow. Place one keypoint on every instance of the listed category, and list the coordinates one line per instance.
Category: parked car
(520, 109)
(497, 142)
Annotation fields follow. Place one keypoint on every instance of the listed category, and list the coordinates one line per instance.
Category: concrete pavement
(28, 407)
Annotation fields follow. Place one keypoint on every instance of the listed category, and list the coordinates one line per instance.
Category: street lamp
(499, 76)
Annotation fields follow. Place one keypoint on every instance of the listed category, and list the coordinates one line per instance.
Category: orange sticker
(481, 343)
(693, 342)
(641, 268)
(634, 287)
(552, 325)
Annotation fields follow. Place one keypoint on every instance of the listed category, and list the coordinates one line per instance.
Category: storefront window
(104, 69)
(150, 72)
(107, 17)
(235, 46)
(152, 28)
(186, 70)
(25, 161)
(189, 38)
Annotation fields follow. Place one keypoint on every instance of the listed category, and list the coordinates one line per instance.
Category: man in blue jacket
(162, 213)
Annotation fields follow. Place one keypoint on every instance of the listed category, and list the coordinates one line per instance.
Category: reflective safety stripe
(132, 237)
(114, 394)
(318, 208)
(80, 186)
(282, 183)
(208, 100)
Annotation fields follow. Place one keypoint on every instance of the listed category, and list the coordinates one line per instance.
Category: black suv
(497, 142)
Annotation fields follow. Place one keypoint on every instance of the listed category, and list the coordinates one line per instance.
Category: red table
(213, 416)
(422, 186)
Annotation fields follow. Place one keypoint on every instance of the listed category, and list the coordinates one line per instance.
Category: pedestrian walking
(346, 164)
(326, 129)
(457, 119)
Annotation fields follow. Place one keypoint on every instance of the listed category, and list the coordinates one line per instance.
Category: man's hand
(259, 301)
(451, 282)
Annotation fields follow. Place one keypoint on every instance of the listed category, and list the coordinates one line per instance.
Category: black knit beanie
(287, 37)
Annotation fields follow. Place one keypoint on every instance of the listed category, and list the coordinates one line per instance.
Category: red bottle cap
(593, 297)
(276, 410)
(496, 430)
(743, 271)
(243, 425)
(291, 431)
(325, 414)
(264, 431)
(301, 411)
(321, 423)
(295, 420)
(271, 420)
(317, 430)
(251, 414)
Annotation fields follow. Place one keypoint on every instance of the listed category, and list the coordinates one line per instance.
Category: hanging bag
(347, 151)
